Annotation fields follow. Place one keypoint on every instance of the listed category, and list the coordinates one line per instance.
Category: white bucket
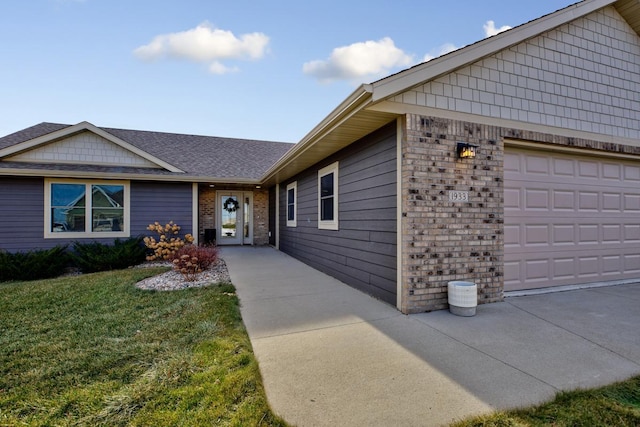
(463, 298)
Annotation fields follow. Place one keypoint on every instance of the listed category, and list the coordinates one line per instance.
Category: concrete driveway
(333, 356)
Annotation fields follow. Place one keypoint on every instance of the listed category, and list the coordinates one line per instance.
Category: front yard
(95, 350)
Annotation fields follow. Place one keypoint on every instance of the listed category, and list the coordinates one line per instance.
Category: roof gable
(445, 64)
(85, 148)
(83, 143)
(580, 76)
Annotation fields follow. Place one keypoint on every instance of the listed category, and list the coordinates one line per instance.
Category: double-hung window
(75, 209)
(328, 197)
(291, 204)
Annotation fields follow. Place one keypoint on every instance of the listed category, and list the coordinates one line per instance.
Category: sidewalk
(333, 356)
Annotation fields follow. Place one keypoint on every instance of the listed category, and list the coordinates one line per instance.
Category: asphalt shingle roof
(197, 156)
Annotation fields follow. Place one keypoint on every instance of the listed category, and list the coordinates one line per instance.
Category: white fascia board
(448, 63)
(353, 103)
(85, 126)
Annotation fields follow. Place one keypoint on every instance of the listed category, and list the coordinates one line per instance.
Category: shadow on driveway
(332, 355)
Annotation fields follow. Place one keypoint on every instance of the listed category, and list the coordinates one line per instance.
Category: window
(291, 204)
(86, 209)
(328, 197)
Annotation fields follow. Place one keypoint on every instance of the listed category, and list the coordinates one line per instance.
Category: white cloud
(205, 44)
(442, 50)
(359, 60)
(491, 30)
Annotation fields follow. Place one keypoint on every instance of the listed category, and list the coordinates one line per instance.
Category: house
(134, 178)
(513, 162)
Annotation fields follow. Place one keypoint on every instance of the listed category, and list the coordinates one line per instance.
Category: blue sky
(244, 69)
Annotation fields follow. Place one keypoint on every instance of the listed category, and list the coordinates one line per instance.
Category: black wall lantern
(466, 150)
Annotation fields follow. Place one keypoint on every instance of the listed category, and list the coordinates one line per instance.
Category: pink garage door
(569, 219)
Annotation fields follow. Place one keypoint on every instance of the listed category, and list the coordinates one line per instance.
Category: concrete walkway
(333, 356)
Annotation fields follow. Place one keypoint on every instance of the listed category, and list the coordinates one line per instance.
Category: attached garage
(570, 218)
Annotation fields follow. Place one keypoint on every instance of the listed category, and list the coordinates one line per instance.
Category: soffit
(630, 11)
(349, 130)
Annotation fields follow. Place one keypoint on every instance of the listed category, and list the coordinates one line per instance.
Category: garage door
(569, 219)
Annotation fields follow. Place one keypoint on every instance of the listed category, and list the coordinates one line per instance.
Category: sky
(267, 70)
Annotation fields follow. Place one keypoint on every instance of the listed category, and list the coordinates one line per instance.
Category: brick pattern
(85, 147)
(206, 210)
(443, 240)
(207, 213)
(580, 76)
(260, 217)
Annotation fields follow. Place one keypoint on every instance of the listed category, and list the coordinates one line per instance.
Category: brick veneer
(207, 213)
(442, 240)
(207, 210)
(260, 217)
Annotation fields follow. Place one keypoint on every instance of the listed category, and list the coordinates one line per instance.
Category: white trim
(399, 248)
(48, 234)
(292, 222)
(277, 219)
(195, 215)
(399, 108)
(350, 106)
(332, 224)
(84, 126)
(445, 64)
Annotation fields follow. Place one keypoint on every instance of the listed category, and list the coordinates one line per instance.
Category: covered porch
(232, 214)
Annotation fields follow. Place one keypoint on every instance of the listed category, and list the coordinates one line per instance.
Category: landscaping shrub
(166, 246)
(190, 260)
(92, 257)
(33, 265)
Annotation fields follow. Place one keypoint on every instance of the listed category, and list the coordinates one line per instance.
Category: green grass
(94, 350)
(615, 405)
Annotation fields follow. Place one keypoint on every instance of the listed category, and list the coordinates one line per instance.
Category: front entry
(235, 218)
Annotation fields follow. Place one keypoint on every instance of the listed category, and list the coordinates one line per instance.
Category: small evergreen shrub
(92, 257)
(33, 265)
(191, 260)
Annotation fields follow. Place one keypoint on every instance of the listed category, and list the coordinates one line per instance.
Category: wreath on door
(230, 205)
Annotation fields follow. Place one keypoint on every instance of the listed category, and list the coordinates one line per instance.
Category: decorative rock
(173, 280)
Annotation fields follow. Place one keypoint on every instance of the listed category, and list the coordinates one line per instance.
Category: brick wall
(207, 213)
(443, 240)
(206, 210)
(261, 217)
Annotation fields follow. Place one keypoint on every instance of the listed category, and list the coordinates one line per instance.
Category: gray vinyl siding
(362, 253)
(22, 211)
(162, 202)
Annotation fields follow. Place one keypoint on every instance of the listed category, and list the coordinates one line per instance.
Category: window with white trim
(292, 190)
(75, 209)
(328, 197)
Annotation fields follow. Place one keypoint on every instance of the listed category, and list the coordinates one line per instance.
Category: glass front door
(235, 218)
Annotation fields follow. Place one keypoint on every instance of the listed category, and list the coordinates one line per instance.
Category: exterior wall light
(466, 150)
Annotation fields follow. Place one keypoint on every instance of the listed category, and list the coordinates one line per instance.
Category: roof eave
(52, 173)
(435, 68)
(358, 99)
(80, 127)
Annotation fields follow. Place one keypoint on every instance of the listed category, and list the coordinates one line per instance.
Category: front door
(235, 218)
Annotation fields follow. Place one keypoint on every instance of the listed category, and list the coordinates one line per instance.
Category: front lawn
(614, 405)
(94, 350)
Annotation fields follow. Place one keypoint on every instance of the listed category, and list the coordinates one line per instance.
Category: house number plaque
(458, 196)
